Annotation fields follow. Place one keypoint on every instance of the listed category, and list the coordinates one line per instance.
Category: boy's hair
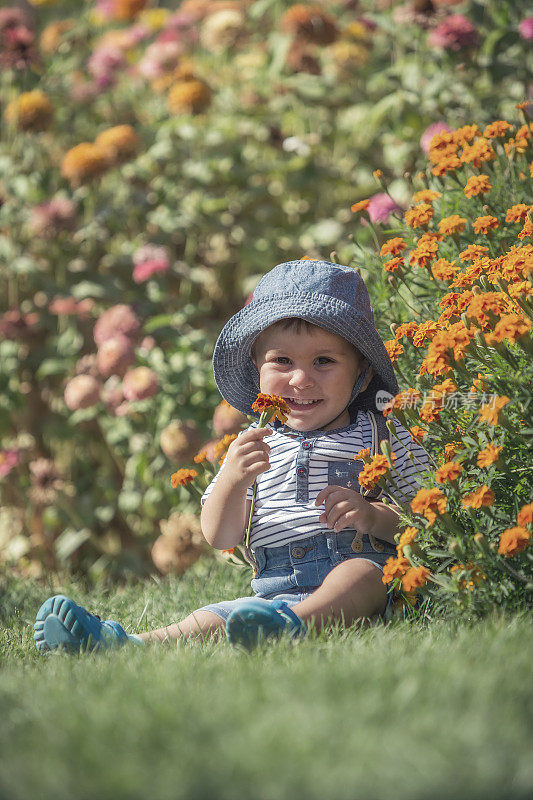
(291, 323)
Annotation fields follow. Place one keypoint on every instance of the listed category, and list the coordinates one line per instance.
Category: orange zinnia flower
(182, 477)
(371, 473)
(419, 215)
(489, 411)
(361, 205)
(272, 403)
(525, 515)
(481, 497)
(513, 541)
(395, 568)
(393, 247)
(448, 472)
(394, 349)
(489, 455)
(453, 224)
(477, 184)
(429, 502)
(517, 213)
(415, 578)
(485, 224)
(426, 196)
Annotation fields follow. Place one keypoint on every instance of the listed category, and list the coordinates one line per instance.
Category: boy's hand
(345, 508)
(247, 457)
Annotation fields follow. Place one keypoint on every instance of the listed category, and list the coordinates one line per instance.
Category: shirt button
(301, 470)
(306, 445)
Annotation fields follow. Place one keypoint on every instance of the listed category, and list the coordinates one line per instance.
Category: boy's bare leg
(352, 590)
(199, 625)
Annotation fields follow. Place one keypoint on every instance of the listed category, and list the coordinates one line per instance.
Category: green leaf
(50, 366)
(69, 343)
(69, 541)
(87, 289)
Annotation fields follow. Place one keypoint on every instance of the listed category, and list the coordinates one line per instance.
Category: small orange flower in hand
(372, 472)
(270, 406)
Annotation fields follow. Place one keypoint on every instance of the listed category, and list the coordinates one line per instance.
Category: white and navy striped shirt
(302, 464)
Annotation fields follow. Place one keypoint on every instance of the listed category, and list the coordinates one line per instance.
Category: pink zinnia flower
(140, 383)
(454, 33)
(525, 29)
(49, 219)
(381, 207)
(159, 58)
(115, 355)
(105, 62)
(9, 459)
(69, 306)
(117, 319)
(15, 325)
(82, 391)
(429, 133)
(148, 261)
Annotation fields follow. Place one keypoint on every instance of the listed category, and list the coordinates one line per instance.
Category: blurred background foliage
(155, 160)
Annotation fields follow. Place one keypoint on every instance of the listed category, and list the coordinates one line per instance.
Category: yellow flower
(190, 97)
(495, 130)
(30, 111)
(83, 162)
(443, 270)
(473, 252)
(394, 349)
(118, 143)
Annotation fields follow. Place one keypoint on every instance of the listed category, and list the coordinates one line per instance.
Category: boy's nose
(301, 379)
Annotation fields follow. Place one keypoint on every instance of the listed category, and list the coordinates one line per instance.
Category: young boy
(318, 544)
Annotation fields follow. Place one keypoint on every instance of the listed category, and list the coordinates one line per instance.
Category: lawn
(431, 709)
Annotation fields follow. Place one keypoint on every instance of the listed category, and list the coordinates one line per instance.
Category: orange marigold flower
(394, 349)
(425, 332)
(442, 145)
(489, 455)
(525, 515)
(446, 387)
(485, 224)
(453, 224)
(221, 447)
(513, 541)
(407, 536)
(481, 305)
(481, 497)
(510, 327)
(489, 411)
(393, 247)
(517, 289)
(393, 265)
(200, 457)
(272, 403)
(452, 448)
(372, 472)
(182, 477)
(363, 454)
(478, 153)
(362, 205)
(426, 196)
(310, 23)
(429, 502)
(518, 145)
(444, 270)
(406, 329)
(473, 252)
(448, 472)
(517, 213)
(527, 230)
(189, 97)
(465, 134)
(475, 575)
(395, 568)
(429, 411)
(495, 130)
(477, 184)
(415, 578)
(118, 143)
(447, 164)
(419, 215)
(30, 111)
(405, 399)
(83, 162)
(417, 433)
(424, 253)
(127, 9)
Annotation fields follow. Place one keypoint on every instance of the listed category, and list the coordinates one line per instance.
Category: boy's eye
(325, 359)
(281, 359)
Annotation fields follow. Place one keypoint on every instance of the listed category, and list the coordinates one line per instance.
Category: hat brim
(237, 376)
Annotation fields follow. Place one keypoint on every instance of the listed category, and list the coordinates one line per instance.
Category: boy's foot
(255, 620)
(62, 623)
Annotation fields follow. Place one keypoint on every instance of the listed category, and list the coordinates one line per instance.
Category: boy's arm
(385, 522)
(226, 511)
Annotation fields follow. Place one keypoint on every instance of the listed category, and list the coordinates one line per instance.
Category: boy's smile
(313, 370)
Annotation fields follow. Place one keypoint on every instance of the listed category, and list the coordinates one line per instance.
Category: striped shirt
(302, 464)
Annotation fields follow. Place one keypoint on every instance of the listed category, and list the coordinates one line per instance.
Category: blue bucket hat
(328, 295)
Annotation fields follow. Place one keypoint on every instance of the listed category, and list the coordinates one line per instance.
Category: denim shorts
(293, 571)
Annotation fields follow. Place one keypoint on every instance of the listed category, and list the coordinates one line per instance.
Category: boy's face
(313, 370)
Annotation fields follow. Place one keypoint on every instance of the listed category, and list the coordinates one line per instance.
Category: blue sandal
(255, 620)
(61, 623)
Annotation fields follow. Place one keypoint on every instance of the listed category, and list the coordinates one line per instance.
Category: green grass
(406, 710)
